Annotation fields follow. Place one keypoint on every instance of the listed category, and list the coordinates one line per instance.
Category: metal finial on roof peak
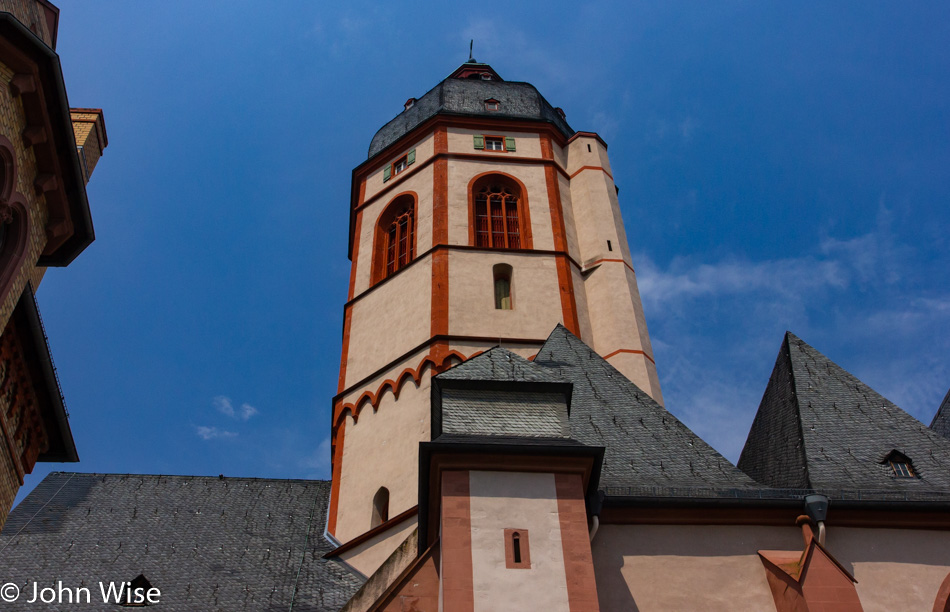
(471, 60)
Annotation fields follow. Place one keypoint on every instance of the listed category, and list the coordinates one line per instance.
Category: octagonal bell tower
(480, 218)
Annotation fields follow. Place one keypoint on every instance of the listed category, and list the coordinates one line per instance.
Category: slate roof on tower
(820, 427)
(206, 543)
(466, 97)
(941, 422)
(645, 445)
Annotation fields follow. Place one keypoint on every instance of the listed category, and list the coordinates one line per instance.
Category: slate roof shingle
(206, 543)
(941, 421)
(644, 444)
(466, 97)
(820, 427)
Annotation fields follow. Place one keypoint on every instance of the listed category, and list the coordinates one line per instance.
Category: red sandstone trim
(481, 157)
(463, 247)
(458, 583)
(431, 360)
(566, 290)
(582, 168)
(523, 546)
(633, 351)
(480, 123)
(375, 531)
(433, 342)
(942, 602)
(336, 467)
(524, 213)
(575, 544)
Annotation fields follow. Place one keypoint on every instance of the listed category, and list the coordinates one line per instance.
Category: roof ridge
(795, 395)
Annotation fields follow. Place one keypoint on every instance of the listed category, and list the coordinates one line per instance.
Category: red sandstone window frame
(514, 221)
(394, 242)
(517, 550)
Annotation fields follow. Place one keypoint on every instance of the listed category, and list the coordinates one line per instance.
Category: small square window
(494, 144)
(399, 165)
(492, 104)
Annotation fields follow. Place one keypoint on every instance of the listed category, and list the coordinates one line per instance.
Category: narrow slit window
(502, 277)
(609, 246)
(380, 507)
(517, 553)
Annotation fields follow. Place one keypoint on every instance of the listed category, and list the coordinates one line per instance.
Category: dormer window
(902, 469)
(900, 465)
(409, 103)
(486, 76)
(492, 104)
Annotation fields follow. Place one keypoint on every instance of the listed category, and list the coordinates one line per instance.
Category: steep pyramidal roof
(820, 427)
(941, 422)
(645, 445)
(206, 543)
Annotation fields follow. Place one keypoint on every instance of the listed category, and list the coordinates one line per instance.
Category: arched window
(395, 237)
(380, 507)
(13, 219)
(502, 277)
(497, 203)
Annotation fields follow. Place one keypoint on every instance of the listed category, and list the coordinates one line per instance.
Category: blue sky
(781, 166)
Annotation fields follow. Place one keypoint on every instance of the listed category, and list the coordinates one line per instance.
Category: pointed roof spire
(820, 427)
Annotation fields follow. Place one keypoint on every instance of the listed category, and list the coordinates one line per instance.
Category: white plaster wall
(461, 172)
(392, 319)
(425, 148)
(515, 500)
(709, 568)
(578, 156)
(381, 449)
(534, 291)
(527, 144)
(897, 570)
(368, 556)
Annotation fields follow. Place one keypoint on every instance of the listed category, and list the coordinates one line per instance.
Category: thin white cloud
(213, 433)
(317, 463)
(247, 411)
(225, 406)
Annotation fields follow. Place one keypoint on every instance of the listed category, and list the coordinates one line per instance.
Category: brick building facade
(47, 152)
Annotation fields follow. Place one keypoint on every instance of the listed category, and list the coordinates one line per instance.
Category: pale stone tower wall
(440, 309)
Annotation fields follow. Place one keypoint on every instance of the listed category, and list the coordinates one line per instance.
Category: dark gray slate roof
(820, 427)
(501, 365)
(466, 97)
(941, 422)
(644, 444)
(498, 412)
(206, 543)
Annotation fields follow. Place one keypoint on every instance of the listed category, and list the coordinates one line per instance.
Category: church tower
(480, 218)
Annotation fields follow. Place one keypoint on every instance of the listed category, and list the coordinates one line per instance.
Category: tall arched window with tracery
(499, 213)
(395, 237)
